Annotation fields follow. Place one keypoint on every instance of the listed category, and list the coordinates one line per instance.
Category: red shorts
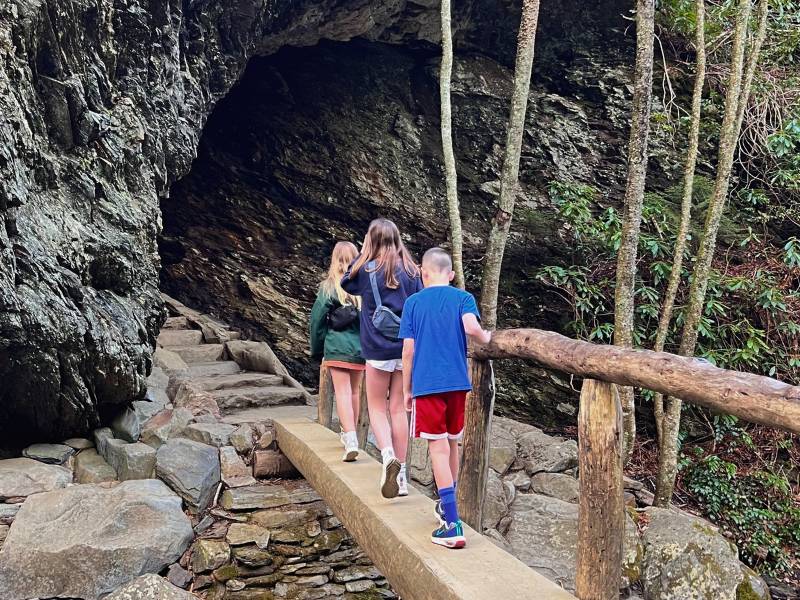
(439, 416)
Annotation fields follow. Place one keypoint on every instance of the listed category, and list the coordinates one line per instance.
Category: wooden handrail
(750, 397)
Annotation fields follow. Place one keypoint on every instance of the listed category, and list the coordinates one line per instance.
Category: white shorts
(390, 366)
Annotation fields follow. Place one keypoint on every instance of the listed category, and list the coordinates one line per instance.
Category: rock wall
(101, 108)
(315, 142)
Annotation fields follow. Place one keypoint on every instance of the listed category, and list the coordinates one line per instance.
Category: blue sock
(448, 497)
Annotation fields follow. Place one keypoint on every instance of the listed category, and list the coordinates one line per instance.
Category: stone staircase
(206, 367)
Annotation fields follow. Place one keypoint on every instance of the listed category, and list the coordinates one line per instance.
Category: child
(334, 335)
(435, 325)
(385, 262)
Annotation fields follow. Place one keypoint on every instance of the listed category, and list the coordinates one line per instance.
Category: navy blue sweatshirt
(374, 346)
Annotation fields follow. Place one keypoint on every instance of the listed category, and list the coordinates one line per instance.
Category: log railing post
(326, 398)
(362, 425)
(475, 446)
(601, 521)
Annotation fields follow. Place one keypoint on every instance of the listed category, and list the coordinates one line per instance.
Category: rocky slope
(315, 142)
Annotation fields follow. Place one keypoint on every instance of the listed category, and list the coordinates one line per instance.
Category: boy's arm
(408, 361)
(473, 328)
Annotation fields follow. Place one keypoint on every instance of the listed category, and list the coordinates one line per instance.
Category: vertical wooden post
(601, 521)
(362, 425)
(326, 398)
(475, 447)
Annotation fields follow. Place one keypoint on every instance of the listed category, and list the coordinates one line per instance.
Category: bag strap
(373, 280)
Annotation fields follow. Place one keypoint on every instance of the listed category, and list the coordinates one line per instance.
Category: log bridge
(395, 534)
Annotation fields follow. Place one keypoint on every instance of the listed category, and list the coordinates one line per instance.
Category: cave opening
(314, 142)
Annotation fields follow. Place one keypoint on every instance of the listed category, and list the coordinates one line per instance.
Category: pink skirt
(341, 364)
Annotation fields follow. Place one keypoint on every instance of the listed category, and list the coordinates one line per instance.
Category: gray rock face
(130, 461)
(150, 587)
(541, 452)
(234, 472)
(25, 476)
(558, 485)
(87, 540)
(211, 434)
(191, 469)
(496, 501)
(165, 425)
(90, 467)
(544, 533)
(686, 557)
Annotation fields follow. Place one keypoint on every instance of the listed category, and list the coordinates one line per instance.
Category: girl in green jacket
(335, 337)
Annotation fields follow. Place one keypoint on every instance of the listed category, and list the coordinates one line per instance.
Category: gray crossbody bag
(385, 321)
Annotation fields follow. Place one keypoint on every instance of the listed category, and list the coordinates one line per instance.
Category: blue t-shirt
(432, 318)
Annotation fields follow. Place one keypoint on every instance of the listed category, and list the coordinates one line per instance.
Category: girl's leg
(344, 393)
(399, 417)
(377, 388)
(356, 378)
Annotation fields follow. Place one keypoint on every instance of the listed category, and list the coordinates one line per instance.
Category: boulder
(244, 533)
(191, 469)
(101, 437)
(179, 576)
(165, 425)
(503, 449)
(495, 502)
(234, 472)
(266, 496)
(87, 540)
(208, 555)
(541, 452)
(242, 438)
(79, 443)
(150, 587)
(9, 511)
(52, 454)
(556, 485)
(271, 464)
(25, 476)
(211, 434)
(196, 401)
(168, 360)
(126, 426)
(520, 480)
(90, 467)
(543, 534)
(419, 462)
(130, 461)
(687, 557)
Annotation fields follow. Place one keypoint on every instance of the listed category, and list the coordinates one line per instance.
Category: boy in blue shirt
(435, 324)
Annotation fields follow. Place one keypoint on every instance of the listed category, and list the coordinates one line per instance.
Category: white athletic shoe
(402, 483)
(350, 442)
(389, 474)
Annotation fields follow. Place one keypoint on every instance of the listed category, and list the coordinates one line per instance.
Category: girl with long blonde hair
(384, 275)
(334, 336)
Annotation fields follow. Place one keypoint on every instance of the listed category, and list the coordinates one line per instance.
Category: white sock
(387, 454)
(350, 438)
(402, 474)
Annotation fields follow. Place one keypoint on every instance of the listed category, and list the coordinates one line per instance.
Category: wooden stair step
(202, 353)
(248, 397)
(180, 337)
(245, 379)
(209, 369)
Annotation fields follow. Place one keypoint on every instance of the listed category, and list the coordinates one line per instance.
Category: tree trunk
(509, 178)
(475, 449)
(736, 96)
(326, 398)
(601, 513)
(450, 176)
(472, 482)
(686, 204)
(634, 197)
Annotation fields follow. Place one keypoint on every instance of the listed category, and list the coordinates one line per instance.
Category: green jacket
(325, 342)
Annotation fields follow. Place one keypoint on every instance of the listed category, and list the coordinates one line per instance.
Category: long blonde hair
(343, 254)
(383, 245)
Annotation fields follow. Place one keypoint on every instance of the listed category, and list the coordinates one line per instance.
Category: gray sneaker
(389, 485)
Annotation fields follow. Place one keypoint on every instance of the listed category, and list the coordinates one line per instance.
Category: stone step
(248, 397)
(176, 323)
(180, 337)
(209, 369)
(236, 380)
(199, 354)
